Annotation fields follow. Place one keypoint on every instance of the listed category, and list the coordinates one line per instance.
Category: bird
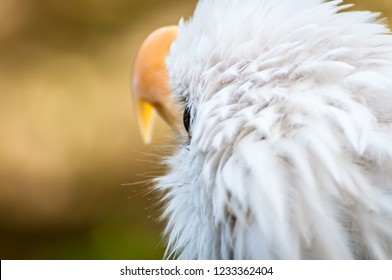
(282, 111)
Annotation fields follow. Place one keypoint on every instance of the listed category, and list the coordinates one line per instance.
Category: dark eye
(187, 118)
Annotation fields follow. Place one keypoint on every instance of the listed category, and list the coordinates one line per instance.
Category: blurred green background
(70, 154)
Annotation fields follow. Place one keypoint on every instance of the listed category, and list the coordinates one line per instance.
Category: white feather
(290, 155)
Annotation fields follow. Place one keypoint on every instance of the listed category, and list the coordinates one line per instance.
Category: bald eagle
(287, 146)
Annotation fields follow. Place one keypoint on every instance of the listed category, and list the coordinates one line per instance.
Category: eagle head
(286, 147)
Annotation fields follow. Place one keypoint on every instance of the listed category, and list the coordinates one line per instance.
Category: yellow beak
(150, 82)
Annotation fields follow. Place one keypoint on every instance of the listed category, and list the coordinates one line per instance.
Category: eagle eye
(187, 118)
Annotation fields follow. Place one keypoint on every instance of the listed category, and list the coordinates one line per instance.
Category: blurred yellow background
(68, 139)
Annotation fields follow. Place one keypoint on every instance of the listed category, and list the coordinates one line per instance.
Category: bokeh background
(72, 164)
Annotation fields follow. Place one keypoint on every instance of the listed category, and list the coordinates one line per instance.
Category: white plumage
(290, 152)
